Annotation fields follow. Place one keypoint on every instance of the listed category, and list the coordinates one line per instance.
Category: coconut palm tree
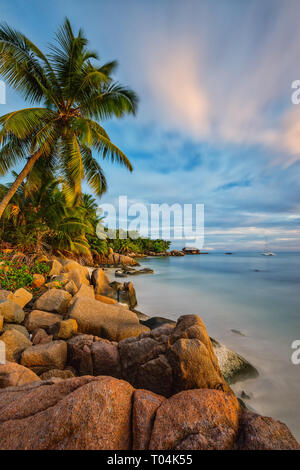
(71, 96)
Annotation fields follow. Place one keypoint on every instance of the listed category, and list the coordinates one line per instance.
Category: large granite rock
(145, 406)
(70, 287)
(105, 300)
(196, 420)
(233, 366)
(15, 326)
(22, 297)
(104, 413)
(80, 355)
(76, 272)
(106, 321)
(79, 277)
(54, 300)
(263, 433)
(80, 413)
(11, 311)
(15, 343)
(39, 319)
(165, 361)
(127, 294)
(168, 360)
(84, 291)
(15, 375)
(64, 329)
(101, 283)
(46, 356)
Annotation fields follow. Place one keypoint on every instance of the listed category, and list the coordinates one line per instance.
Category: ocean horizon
(253, 294)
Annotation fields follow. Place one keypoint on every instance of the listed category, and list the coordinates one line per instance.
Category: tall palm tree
(71, 95)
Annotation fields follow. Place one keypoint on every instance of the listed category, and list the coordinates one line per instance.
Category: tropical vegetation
(39, 220)
(71, 95)
(61, 140)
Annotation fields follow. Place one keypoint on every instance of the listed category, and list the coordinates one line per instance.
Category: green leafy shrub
(14, 274)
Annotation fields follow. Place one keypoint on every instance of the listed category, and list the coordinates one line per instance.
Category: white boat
(267, 252)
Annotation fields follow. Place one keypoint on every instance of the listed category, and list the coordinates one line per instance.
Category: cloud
(223, 81)
(175, 85)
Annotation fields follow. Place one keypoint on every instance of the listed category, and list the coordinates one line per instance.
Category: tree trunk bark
(20, 178)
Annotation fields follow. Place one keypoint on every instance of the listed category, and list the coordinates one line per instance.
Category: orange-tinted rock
(81, 413)
(15, 343)
(56, 268)
(111, 322)
(104, 413)
(105, 300)
(84, 291)
(127, 294)
(168, 360)
(79, 277)
(145, 405)
(11, 311)
(38, 281)
(101, 282)
(64, 329)
(54, 300)
(196, 420)
(15, 375)
(263, 433)
(45, 356)
(22, 297)
(39, 319)
(70, 287)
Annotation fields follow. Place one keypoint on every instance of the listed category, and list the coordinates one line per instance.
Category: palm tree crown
(70, 96)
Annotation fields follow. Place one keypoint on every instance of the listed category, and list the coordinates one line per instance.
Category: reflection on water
(256, 295)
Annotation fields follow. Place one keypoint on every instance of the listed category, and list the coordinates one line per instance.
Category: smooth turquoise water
(228, 293)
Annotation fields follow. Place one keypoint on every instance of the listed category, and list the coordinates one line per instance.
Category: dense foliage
(39, 219)
(14, 273)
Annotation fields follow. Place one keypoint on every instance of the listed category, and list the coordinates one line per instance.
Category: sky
(216, 124)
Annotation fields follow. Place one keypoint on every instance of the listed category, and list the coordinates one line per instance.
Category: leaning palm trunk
(20, 178)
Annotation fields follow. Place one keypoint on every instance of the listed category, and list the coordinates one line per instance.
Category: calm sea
(257, 295)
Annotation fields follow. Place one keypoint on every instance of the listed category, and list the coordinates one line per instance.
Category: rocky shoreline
(86, 370)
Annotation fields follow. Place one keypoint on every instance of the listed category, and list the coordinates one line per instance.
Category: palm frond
(25, 122)
(93, 172)
(19, 65)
